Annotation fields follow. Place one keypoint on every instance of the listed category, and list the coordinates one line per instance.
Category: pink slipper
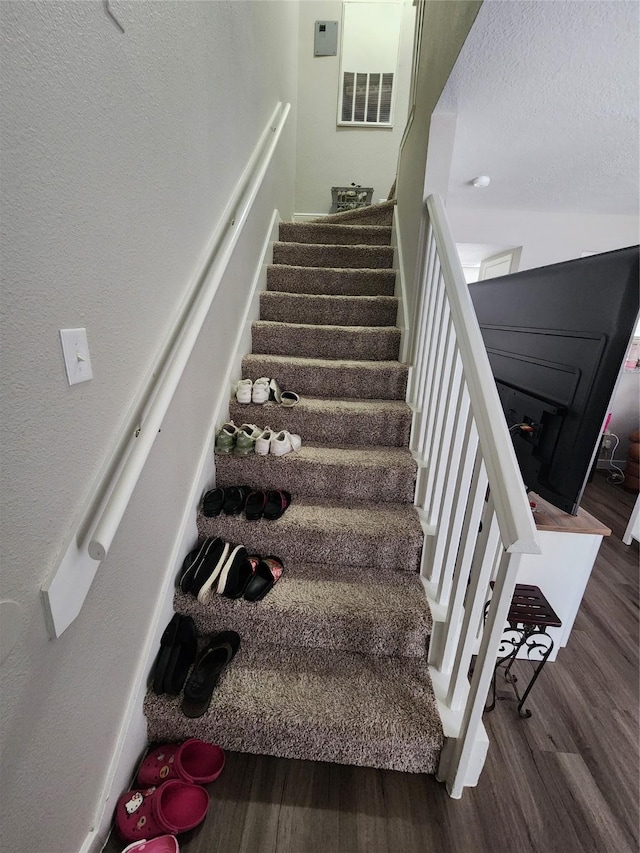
(161, 844)
(192, 761)
(172, 808)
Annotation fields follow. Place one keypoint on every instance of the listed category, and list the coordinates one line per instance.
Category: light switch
(75, 349)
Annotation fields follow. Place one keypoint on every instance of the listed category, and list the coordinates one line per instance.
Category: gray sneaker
(226, 438)
(246, 439)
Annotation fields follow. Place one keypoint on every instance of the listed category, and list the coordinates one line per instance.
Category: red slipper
(192, 761)
(172, 808)
(266, 574)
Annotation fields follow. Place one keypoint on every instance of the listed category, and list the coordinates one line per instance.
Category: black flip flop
(178, 648)
(255, 504)
(212, 660)
(266, 573)
(277, 502)
(213, 502)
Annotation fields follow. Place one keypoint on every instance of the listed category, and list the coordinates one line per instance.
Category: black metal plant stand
(529, 617)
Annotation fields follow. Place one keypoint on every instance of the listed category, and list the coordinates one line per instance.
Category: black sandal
(206, 672)
(277, 500)
(213, 502)
(255, 504)
(235, 498)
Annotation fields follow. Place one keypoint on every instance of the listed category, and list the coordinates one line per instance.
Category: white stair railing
(469, 493)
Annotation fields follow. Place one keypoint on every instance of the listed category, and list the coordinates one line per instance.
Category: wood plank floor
(565, 780)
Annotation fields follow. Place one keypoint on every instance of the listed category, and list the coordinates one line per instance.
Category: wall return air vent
(366, 98)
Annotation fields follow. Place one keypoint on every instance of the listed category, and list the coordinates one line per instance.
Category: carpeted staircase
(332, 665)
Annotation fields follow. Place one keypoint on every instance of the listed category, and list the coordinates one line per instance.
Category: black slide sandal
(213, 502)
(267, 572)
(277, 502)
(235, 499)
(255, 504)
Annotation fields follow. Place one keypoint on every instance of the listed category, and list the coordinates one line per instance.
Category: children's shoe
(193, 761)
(263, 442)
(226, 438)
(170, 809)
(243, 391)
(246, 439)
(261, 389)
(285, 442)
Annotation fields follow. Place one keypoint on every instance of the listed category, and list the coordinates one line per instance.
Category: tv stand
(570, 545)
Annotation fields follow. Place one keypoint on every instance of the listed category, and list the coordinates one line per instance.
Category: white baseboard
(132, 738)
(307, 217)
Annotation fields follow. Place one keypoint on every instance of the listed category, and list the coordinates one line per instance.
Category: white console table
(570, 545)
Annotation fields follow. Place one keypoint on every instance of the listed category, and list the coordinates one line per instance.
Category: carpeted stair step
(385, 474)
(315, 704)
(373, 214)
(328, 310)
(331, 607)
(350, 257)
(371, 535)
(343, 422)
(365, 343)
(318, 377)
(336, 234)
(325, 280)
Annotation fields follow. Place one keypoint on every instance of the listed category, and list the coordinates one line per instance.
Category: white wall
(118, 156)
(545, 237)
(328, 155)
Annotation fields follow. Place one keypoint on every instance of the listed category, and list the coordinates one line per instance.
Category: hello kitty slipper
(171, 808)
(161, 844)
(192, 761)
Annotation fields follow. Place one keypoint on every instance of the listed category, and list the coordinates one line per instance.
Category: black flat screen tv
(557, 337)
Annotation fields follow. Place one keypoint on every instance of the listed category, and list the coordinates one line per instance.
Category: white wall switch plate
(75, 349)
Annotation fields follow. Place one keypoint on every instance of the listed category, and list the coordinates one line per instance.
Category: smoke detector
(481, 181)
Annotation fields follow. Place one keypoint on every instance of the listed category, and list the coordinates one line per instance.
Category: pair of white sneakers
(277, 443)
(263, 390)
(253, 392)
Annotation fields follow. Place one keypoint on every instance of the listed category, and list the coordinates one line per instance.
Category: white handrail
(513, 512)
(64, 591)
(181, 348)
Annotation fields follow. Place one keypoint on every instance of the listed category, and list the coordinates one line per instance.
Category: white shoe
(263, 442)
(261, 390)
(243, 391)
(285, 442)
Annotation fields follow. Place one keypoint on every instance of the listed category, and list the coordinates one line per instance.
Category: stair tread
(383, 474)
(348, 455)
(334, 233)
(319, 363)
(309, 703)
(331, 329)
(362, 610)
(329, 404)
(278, 295)
(333, 420)
(355, 533)
(379, 521)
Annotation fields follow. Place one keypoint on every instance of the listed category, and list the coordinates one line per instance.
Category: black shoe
(212, 660)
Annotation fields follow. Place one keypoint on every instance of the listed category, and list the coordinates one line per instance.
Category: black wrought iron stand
(529, 617)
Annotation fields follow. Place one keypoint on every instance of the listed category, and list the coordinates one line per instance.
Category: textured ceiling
(546, 96)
